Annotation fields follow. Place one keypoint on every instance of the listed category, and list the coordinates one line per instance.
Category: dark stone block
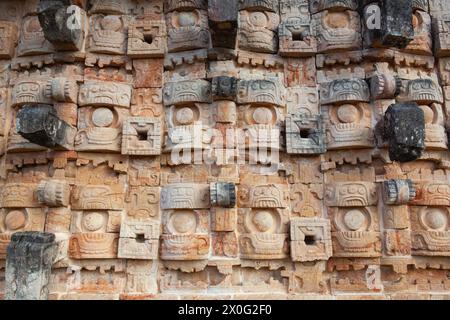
(258, 5)
(404, 129)
(396, 23)
(224, 88)
(223, 194)
(388, 26)
(40, 124)
(28, 265)
(55, 19)
(223, 24)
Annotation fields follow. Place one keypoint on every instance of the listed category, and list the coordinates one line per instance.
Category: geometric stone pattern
(127, 146)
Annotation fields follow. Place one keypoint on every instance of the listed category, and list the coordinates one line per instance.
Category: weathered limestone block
(263, 196)
(185, 196)
(93, 245)
(348, 126)
(337, 5)
(185, 235)
(172, 5)
(143, 202)
(44, 90)
(19, 195)
(139, 240)
(430, 230)
(141, 136)
(53, 193)
(65, 26)
(337, 30)
(422, 91)
(99, 221)
(184, 247)
(146, 38)
(146, 102)
(41, 125)
(109, 6)
(28, 265)
(300, 72)
(397, 242)
(261, 92)
(404, 129)
(310, 239)
(306, 278)
(431, 193)
(344, 91)
(100, 129)
(187, 30)
(222, 194)
(293, 8)
(148, 73)
(391, 23)
(441, 33)
(224, 88)
(8, 38)
(306, 200)
(185, 92)
(258, 31)
(57, 220)
(263, 233)
(108, 34)
(225, 112)
(351, 194)
(384, 86)
(223, 219)
(305, 134)
(396, 25)
(420, 5)
(21, 219)
(398, 192)
(223, 23)
(302, 100)
(296, 37)
(97, 197)
(32, 40)
(396, 217)
(259, 5)
(422, 42)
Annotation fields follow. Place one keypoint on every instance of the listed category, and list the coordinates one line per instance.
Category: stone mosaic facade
(349, 200)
